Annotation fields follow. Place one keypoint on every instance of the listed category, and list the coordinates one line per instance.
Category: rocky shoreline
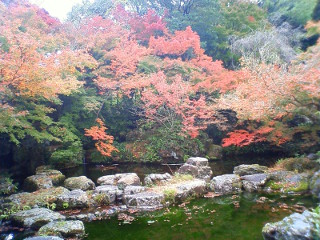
(57, 207)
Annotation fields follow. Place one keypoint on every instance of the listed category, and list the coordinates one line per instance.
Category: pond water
(218, 167)
(220, 218)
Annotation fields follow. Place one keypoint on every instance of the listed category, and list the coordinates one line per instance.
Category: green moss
(301, 187)
(170, 195)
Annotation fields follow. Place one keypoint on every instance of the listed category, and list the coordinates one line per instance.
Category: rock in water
(121, 180)
(255, 182)
(294, 227)
(249, 169)
(65, 229)
(73, 199)
(197, 167)
(35, 218)
(226, 184)
(144, 201)
(82, 183)
(43, 179)
(193, 188)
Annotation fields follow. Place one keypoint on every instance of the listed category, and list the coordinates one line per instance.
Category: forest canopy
(141, 80)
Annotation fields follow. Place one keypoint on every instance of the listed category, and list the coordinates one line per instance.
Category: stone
(193, 188)
(36, 182)
(121, 180)
(213, 151)
(64, 229)
(287, 181)
(249, 169)
(44, 238)
(152, 179)
(40, 198)
(294, 227)
(313, 156)
(73, 199)
(144, 201)
(44, 179)
(255, 182)
(197, 167)
(315, 184)
(198, 161)
(129, 190)
(35, 218)
(226, 184)
(106, 195)
(82, 183)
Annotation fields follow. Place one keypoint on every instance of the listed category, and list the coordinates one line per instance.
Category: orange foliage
(103, 140)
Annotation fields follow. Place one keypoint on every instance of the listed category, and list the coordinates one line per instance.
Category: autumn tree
(37, 66)
(284, 99)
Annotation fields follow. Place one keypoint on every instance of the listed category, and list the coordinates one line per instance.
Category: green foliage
(296, 12)
(7, 186)
(217, 21)
(316, 222)
(297, 164)
(169, 195)
(316, 12)
(69, 151)
(65, 205)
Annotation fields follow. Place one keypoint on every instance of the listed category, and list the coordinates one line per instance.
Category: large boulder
(82, 183)
(44, 179)
(35, 218)
(144, 201)
(249, 169)
(153, 178)
(255, 182)
(121, 180)
(73, 199)
(36, 182)
(294, 227)
(197, 167)
(193, 188)
(40, 198)
(64, 229)
(226, 184)
(315, 185)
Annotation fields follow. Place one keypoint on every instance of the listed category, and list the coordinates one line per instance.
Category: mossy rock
(65, 229)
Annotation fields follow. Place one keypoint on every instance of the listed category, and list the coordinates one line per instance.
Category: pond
(219, 218)
(218, 167)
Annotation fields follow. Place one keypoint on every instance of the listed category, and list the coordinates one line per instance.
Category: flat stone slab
(144, 201)
(294, 227)
(35, 218)
(226, 184)
(255, 182)
(65, 229)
